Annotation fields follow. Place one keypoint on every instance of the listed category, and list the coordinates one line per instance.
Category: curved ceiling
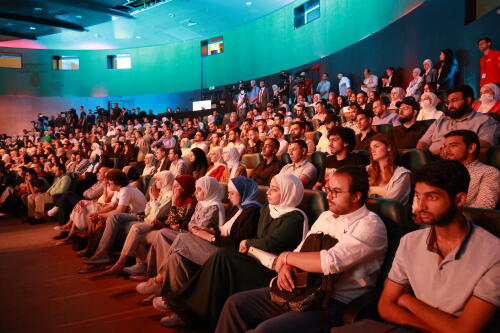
(103, 24)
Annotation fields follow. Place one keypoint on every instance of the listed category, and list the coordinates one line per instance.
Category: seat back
(285, 158)
(397, 224)
(488, 219)
(288, 138)
(317, 158)
(493, 156)
(314, 136)
(250, 161)
(383, 128)
(364, 154)
(427, 122)
(414, 159)
(313, 204)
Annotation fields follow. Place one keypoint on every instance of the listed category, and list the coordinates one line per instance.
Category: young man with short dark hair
(270, 166)
(177, 164)
(452, 268)
(489, 63)
(364, 120)
(300, 166)
(484, 188)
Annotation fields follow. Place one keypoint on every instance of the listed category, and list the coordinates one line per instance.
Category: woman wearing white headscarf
(234, 168)
(397, 95)
(428, 102)
(281, 227)
(150, 165)
(489, 99)
(415, 85)
(216, 170)
(430, 73)
(96, 150)
(141, 232)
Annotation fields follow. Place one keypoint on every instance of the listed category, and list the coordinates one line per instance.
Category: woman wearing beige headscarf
(397, 95)
(231, 157)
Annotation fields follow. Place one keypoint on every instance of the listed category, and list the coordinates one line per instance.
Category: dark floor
(41, 292)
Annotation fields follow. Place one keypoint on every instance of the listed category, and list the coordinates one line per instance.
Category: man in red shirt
(489, 63)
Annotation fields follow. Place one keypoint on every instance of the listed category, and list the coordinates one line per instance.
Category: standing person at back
(489, 63)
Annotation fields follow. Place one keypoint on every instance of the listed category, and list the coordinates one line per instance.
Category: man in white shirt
(300, 166)
(382, 115)
(278, 133)
(344, 84)
(370, 83)
(356, 259)
(198, 142)
(120, 214)
(235, 141)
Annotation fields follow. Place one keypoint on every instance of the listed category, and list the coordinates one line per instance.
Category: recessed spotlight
(138, 37)
(32, 28)
(78, 16)
(37, 9)
(248, 3)
(10, 24)
(97, 36)
(171, 15)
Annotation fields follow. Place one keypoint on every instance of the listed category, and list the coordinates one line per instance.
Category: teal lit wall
(259, 48)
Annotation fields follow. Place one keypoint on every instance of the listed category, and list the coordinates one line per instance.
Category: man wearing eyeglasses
(460, 115)
(356, 258)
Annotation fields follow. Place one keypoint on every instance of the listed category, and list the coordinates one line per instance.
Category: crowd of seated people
(130, 185)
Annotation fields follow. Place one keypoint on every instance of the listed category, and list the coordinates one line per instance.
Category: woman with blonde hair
(387, 180)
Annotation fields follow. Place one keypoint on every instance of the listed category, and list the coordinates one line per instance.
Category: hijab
(166, 179)
(248, 190)
(292, 193)
(233, 159)
(211, 188)
(400, 95)
(486, 106)
(187, 182)
(218, 152)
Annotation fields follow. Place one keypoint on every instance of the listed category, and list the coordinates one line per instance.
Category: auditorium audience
(355, 260)
(188, 250)
(281, 227)
(460, 115)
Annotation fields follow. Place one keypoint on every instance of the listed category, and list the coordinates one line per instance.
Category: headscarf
(485, 107)
(292, 193)
(218, 152)
(429, 61)
(211, 188)
(166, 179)
(152, 159)
(433, 97)
(248, 190)
(233, 159)
(400, 95)
(187, 182)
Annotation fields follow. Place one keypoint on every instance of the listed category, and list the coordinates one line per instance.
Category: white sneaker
(149, 287)
(160, 305)
(53, 211)
(172, 320)
(137, 269)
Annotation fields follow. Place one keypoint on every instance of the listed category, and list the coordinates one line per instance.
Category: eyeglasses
(454, 100)
(333, 192)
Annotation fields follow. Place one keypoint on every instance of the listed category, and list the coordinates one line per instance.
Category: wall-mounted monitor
(202, 105)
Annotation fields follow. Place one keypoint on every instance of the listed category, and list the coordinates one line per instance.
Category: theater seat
(427, 122)
(285, 158)
(364, 154)
(414, 159)
(383, 128)
(313, 204)
(314, 136)
(493, 156)
(318, 159)
(397, 224)
(288, 138)
(250, 161)
(488, 219)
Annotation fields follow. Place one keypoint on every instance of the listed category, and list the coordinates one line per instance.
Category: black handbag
(312, 290)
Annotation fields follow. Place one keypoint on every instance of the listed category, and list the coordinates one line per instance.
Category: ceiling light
(190, 23)
(79, 16)
(98, 36)
(171, 15)
(32, 28)
(37, 9)
(248, 3)
(138, 37)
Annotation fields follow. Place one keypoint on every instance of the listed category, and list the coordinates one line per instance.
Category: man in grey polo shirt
(460, 115)
(300, 166)
(452, 267)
